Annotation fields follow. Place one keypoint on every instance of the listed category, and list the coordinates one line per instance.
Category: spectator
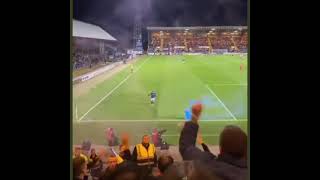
(95, 166)
(112, 162)
(111, 168)
(78, 153)
(80, 170)
(233, 142)
(86, 146)
(231, 163)
(144, 155)
(220, 40)
(96, 169)
(164, 163)
(173, 171)
(111, 137)
(103, 155)
(202, 172)
(124, 171)
(93, 155)
(156, 137)
(92, 158)
(124, 148)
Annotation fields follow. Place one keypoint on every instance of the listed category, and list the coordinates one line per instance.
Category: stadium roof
(85, 30)
(198, 28)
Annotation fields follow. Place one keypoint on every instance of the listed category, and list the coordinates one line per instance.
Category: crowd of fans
(197, 41)
(143, 162)
(82, 58)
(89, 58)
(222, 42)
(243, 41)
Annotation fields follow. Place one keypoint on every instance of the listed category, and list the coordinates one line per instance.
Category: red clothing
(155, 137)
(110, 137)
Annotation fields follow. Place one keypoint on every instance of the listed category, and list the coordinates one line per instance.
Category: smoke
(117, 16)
(234, 12)
(120, 20)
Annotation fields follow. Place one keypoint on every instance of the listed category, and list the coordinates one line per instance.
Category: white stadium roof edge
(85, 30)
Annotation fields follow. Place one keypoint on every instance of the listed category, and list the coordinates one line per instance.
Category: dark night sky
(116, 16)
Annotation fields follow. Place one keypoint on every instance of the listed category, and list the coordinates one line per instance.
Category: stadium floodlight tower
(137, 36)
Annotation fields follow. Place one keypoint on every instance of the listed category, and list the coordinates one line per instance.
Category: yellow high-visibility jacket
(119, 159)
(144, 156)
(84, 157)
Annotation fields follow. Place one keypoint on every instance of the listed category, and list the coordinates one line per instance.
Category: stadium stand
(176, 40)
(93, 47)
(229, 163)
(85, 30)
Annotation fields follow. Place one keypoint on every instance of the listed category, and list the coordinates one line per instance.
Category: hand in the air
(196, 112)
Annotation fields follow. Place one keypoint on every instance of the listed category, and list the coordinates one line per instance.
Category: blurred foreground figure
(111, 137)
(80, 170)
(95, 166)
(231, 162)
(124, 147)
(124, 171)
(157, 138)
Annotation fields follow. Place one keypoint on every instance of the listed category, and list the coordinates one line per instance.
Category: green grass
(177, 84)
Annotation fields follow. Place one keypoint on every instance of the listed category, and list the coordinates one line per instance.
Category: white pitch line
(221, 102)
(76, 112)
(107, 95)
(173, 135)
(203, 135)
(159, 121)
(230, 85)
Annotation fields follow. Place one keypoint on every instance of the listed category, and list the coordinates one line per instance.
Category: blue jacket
(226, 166)
(153, 94)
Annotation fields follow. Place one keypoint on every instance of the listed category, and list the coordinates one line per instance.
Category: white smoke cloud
(117, 17)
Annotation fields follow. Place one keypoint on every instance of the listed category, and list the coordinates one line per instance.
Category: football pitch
(122, 102)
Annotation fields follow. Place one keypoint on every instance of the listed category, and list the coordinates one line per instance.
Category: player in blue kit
(153, 96)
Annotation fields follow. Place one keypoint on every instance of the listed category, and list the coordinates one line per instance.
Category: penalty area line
(230, 84)
(214, 94)
(115, 88)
